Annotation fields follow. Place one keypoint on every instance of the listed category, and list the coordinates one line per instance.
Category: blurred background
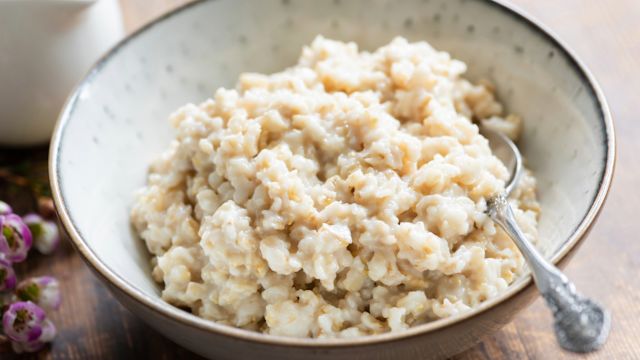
(37, 72)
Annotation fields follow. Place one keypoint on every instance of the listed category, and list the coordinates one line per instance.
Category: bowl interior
(115, 124)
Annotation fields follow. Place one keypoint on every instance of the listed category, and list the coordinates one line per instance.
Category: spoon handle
(581, 325)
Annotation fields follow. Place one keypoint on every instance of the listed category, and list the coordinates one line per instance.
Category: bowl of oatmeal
(322, 192)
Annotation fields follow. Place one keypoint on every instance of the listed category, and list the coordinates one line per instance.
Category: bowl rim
(172, 313)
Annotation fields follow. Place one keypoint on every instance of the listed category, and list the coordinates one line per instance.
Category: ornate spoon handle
(581, 325)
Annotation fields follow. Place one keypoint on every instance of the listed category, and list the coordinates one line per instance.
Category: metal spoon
(580, 324)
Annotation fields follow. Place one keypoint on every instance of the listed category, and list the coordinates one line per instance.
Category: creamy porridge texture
(342, 197)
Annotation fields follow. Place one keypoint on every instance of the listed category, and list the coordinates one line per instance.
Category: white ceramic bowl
(115, 123)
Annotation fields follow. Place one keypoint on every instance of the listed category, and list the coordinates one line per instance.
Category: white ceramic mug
(45, 48)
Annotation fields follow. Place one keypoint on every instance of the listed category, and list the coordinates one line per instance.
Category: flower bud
(43, 291)
(45, 234)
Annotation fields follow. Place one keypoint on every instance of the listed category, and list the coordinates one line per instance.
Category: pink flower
(22, 322)
(27, 326)
(15, 238)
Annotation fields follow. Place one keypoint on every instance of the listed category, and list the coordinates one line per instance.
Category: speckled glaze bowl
(115, 123)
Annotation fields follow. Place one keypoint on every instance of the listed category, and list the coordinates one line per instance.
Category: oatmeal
(342, 197)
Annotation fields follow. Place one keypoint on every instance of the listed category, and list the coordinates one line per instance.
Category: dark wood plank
(94, 326)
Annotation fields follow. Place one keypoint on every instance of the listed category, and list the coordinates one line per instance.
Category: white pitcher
(45, 48)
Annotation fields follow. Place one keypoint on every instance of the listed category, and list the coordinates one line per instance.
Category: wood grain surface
(92, 325)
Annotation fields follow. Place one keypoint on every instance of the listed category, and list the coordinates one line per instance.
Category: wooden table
(93, 325)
